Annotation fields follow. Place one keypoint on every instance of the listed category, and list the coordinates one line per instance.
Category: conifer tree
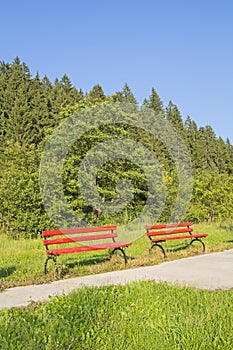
(64, 94)
(174, 117)
(125, 95)
(154, 102)
(15, 110)
(95, 96)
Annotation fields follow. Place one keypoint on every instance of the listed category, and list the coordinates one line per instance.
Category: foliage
(212, 197)
(21, 208)
(30, 110)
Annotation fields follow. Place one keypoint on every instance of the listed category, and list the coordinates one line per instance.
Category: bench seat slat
(77, 230)
(78, 239)
(169, 232)
(86, 248)
(163, 239)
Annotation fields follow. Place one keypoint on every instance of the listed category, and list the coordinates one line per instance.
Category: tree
(95, 96)
(125, 95)
(212, 197)
(154, 102)
(25, 110)
(64, 94)
(21, 209)
(223, 157)
(174, 117)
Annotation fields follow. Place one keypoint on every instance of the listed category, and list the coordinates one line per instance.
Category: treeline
(30, 110)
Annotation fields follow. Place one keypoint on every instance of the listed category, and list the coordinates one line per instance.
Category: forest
(31, 108)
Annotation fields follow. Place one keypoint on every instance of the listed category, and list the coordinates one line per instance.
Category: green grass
(142, 315)
(22, 261)
(139, 316)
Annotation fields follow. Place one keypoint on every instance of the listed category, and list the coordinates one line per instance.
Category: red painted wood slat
(88, 248)
(179, 237)
(79, 238)
(159, 226)
(77, 230)
(163, 233)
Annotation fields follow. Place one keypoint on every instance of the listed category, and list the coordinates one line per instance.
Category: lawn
(21, 261)
(139, 316)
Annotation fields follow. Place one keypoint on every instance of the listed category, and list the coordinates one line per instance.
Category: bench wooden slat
(179, 237)
(179, 224)
(68, 250)
(162, 233)
(78, 239)
(77, 230)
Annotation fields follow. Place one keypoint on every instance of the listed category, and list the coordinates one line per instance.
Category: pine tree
(125, 95)
(95, 96)
(64, 94)
(174, 117)
(154, 102)
(15, 110)
(223, 157)
(25, 105)
(192, 140)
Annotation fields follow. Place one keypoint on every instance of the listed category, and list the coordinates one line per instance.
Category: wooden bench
(169, 232)
(81, 240)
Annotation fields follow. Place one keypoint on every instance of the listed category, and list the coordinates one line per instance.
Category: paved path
(210, 271)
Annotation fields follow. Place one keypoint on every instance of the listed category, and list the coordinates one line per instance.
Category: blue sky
(184, 49)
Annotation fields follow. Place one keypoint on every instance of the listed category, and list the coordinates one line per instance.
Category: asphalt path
(210, 271)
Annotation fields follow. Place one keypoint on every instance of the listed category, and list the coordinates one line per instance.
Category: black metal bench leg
(123, 253)
(199, 240)
(160, 246)
(53, 257)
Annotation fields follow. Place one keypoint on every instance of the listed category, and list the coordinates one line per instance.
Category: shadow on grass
(174, 249)
(181, 247)
(92, 261)
(88, 261)
(5, 272)
(178, 248)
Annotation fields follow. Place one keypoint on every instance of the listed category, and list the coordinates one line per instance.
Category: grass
(22, 261)
(141, 315)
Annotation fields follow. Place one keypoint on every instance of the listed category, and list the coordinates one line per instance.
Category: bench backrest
(168, 229)
(79, 234)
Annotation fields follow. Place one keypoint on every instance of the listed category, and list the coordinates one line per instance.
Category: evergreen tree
(15, 110)
(174, 117)
(223, 157)
(154, 102)
(64, 94)
(125, 95)
(95, 96)
(192, 141)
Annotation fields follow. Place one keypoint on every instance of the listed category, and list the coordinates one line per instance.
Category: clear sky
(182, 48)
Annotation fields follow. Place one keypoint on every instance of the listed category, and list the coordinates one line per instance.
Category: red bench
(81, 240)
(168, 232)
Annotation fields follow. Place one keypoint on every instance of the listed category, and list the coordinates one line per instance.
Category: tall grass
(139, 316)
